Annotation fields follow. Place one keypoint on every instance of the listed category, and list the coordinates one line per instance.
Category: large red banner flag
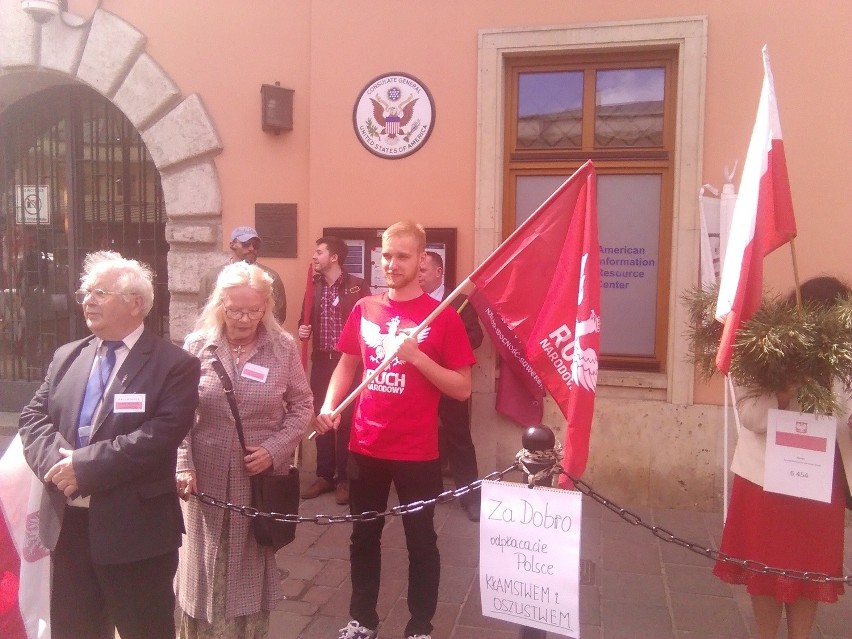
(538, 296)
(762, 221)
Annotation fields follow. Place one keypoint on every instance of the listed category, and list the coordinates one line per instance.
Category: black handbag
(269, 493)
(275, 494)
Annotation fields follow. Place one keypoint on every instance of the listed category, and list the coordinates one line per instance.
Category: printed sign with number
(800, 454)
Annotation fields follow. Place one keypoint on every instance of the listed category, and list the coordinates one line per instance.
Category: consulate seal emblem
(394, 115)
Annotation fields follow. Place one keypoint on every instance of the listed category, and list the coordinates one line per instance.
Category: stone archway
(109, 56)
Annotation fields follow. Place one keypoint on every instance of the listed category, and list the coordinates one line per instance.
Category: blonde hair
(211, 322)
(406, 227)
(131, 276)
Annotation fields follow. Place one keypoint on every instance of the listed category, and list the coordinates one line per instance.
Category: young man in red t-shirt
(394, 436)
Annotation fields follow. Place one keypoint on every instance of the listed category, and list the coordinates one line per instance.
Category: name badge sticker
(128, 403)
(255, 372)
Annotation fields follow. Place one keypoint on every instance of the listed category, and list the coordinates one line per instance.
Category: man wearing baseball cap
(243, 234)
(245, 244)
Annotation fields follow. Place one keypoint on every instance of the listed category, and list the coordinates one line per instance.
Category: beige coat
(275, 415)
(750, 454)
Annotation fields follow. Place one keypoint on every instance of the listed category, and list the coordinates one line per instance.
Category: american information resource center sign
(394, 115)
(529, 556)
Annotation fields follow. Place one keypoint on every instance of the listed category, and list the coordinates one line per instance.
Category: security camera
(41, 10)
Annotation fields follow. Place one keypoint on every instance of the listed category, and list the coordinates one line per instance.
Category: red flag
(514, 399)
(762, 221)
(538, 296)
(307, 309)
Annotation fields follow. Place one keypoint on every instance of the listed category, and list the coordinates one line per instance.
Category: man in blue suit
(102, 432)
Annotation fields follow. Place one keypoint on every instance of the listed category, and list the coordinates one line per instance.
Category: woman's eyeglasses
(234, 314)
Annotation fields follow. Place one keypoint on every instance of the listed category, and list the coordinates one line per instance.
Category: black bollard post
(536, 438)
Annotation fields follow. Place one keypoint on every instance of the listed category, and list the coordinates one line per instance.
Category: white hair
(211, 322)
(131, 276)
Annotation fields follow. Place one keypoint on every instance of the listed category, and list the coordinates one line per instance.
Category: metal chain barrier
(661, 533)
(550, 458)
(372, 515)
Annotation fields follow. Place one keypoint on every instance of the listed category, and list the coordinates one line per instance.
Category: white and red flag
(538, 296)
(762, 221)
(24, 561)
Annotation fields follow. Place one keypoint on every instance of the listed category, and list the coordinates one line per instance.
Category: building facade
(139, 126)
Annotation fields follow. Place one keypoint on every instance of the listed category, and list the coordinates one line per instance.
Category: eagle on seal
(396, 118)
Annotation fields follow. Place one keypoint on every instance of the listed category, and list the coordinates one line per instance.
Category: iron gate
(75, 177)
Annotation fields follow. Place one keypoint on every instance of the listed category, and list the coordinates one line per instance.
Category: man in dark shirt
(456, 443)
(245, 245)
(334, 294)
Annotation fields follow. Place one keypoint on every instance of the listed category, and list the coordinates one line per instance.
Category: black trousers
(91, 601)
(333, 446)
(369, 486)
(456, 444)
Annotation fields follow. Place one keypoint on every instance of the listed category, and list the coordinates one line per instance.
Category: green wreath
(780, 347)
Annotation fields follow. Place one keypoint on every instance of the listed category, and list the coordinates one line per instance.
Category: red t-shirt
(397, 414)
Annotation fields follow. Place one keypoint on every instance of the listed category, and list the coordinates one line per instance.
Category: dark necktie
(95, 389)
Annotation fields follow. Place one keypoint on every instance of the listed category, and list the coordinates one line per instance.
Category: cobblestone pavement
(635, 585)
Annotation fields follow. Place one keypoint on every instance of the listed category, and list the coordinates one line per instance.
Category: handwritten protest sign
(529, 556)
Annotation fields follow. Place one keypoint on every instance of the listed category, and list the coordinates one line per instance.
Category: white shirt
(121, 354)
(438, 293)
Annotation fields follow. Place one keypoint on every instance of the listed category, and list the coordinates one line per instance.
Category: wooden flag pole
(796, 273)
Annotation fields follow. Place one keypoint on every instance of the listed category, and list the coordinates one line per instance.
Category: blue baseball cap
(243, 234)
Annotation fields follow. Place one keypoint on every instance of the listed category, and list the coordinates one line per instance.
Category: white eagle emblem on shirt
(386, 344)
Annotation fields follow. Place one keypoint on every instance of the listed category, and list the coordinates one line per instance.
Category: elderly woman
(227, 583)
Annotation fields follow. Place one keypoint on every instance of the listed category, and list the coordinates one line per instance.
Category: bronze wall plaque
(276, 225)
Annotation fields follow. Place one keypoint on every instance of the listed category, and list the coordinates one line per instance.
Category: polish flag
(762, 221)
(24, 561)
(805, 442)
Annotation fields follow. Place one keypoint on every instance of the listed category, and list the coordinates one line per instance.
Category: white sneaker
(355, 630)
(419, 637)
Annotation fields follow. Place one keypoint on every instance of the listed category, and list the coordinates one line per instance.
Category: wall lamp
(276, 108)
(42, 11)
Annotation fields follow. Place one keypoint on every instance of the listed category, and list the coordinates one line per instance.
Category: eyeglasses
(98, 295)
(234, 314)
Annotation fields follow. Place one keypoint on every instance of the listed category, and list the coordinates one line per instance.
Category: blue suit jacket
(128, 469)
